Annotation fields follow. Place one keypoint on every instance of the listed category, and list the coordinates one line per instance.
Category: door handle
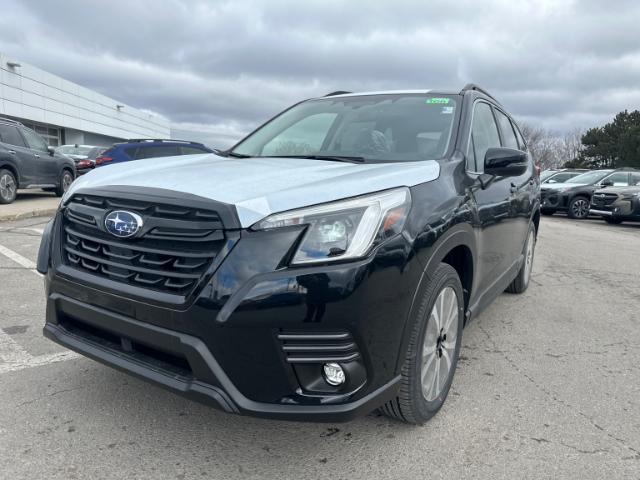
(12, 152)
(36, 155)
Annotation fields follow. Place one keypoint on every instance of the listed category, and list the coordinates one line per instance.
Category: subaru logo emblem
(122, 224)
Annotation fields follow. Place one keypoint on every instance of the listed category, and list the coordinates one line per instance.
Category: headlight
(345, 229)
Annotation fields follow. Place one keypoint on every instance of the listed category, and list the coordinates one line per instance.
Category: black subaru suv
(27, 162)
(323, 267)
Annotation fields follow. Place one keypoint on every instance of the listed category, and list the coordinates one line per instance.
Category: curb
(42, 212)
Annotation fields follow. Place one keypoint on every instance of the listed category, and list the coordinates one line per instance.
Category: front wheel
(521, 282)
(433, 350)
(8, 186)
(66, 179)
(579, 208)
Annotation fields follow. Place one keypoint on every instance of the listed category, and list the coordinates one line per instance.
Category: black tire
(65, 181)
(521, 282)
(411, 405)
(613, 220)
(8, 186)
(547, 211)
(578, 208)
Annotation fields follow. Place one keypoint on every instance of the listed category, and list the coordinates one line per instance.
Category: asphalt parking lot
(548, 386)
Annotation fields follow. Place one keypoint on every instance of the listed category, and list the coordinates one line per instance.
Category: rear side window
(509, 139)
(484, 135)
(157, 151)
(11, 135)
(191, 150)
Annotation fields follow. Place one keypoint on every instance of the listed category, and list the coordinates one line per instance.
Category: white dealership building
(66, 113)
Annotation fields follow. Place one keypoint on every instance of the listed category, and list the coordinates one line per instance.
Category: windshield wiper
(229, 153)
(331, 158)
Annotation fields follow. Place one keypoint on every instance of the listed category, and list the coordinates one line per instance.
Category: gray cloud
(220, 68)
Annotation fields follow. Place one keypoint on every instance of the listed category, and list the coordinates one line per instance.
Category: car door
(492, 203)
(45, 166)
(522, 188)
(19, 152)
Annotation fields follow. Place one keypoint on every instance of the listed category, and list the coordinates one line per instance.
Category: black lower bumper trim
(217, 391)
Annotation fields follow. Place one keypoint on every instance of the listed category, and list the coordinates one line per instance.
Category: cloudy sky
(222, 67)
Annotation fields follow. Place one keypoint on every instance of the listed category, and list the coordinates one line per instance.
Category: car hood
(623, 190)
(258, 186)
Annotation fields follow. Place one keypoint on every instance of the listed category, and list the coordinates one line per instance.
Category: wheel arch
(457, 248)
(12, 168)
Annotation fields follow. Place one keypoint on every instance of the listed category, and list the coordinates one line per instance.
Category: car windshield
(389, 127)
(74, 150)
(95, 152)
(590, 177)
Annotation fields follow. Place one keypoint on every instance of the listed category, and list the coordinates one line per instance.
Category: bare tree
(552, 149)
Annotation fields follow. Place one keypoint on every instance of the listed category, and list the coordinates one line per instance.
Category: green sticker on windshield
(438, 100)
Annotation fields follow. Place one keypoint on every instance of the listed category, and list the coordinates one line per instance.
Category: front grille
(604, 199)
(170, 254)
(318, 347)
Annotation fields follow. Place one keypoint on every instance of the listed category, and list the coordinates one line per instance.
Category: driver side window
(484, 135)
(35, 141)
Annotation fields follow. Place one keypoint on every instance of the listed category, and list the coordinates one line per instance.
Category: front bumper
(227, 346)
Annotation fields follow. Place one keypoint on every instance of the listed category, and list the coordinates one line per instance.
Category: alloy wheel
(439, 344)
(580, 208)
(67, 180)
(7, 187)
(528, 259)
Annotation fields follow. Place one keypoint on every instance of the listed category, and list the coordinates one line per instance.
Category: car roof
(388, 92)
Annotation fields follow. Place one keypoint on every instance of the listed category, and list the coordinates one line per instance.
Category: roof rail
(140, 140)
(473, 86)
(8, 120)
(337, 92)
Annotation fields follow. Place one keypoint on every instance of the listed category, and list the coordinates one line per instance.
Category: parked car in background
(26, 161)
(148, 148)
(618, 204)
(574, 195)
(561, 176)
(323, 267)
(83, 155)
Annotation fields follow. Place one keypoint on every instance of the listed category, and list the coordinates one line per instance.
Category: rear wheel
(613, 220)
(579, 208)
(8, 186)
(433, 351)
(66, 179)
(521, 282)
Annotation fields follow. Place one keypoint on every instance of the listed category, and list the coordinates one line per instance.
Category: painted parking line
(19, 259)
(12, 356)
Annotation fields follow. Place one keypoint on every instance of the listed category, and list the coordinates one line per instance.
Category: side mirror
(551, 181)
(505, 162)
(51, 151)
(606, 183)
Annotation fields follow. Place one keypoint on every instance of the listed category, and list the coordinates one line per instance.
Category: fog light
(333, 374)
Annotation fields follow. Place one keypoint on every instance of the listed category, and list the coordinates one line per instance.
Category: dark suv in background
(139, 149)
(26, 161)
(618, 204)
(574, 195)
(323, 267)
